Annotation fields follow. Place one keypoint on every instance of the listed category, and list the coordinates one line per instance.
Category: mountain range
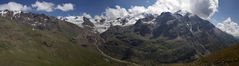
(29, 39)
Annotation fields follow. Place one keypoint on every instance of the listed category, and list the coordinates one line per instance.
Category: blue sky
(93, 7)
(227, 8)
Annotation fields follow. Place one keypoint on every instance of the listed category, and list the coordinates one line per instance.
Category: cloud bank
(203, 8)
(38, 6)
(13, 6)
(114, 13)
(43, 6)
(229, 26)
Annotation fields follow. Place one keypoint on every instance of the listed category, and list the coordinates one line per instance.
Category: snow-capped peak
(4, 12)
(103, 23)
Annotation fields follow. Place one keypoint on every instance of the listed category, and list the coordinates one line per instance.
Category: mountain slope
(168, 38)
(224, 57)
(28, 39)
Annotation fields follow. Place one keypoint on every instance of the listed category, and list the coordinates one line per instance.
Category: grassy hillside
(225, 57)
(62, 45)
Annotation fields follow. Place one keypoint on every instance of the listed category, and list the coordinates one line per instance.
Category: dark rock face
(142, 29)
(172, 38)
(87, 22)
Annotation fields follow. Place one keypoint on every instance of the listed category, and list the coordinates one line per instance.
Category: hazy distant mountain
(168, 38)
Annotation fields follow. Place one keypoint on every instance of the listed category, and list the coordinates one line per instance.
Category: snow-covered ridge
(4, 12)
(103, 23)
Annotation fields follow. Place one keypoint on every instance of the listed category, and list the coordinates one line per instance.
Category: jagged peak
(102, 24)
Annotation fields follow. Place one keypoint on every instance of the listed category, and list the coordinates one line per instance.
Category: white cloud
(13, 6)
(114, 13)
(65, 7)
(168, 6)
(39, 6)
(229, 26)
(86, 15)
(203, 8)
(137, 10)
(43, 6)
